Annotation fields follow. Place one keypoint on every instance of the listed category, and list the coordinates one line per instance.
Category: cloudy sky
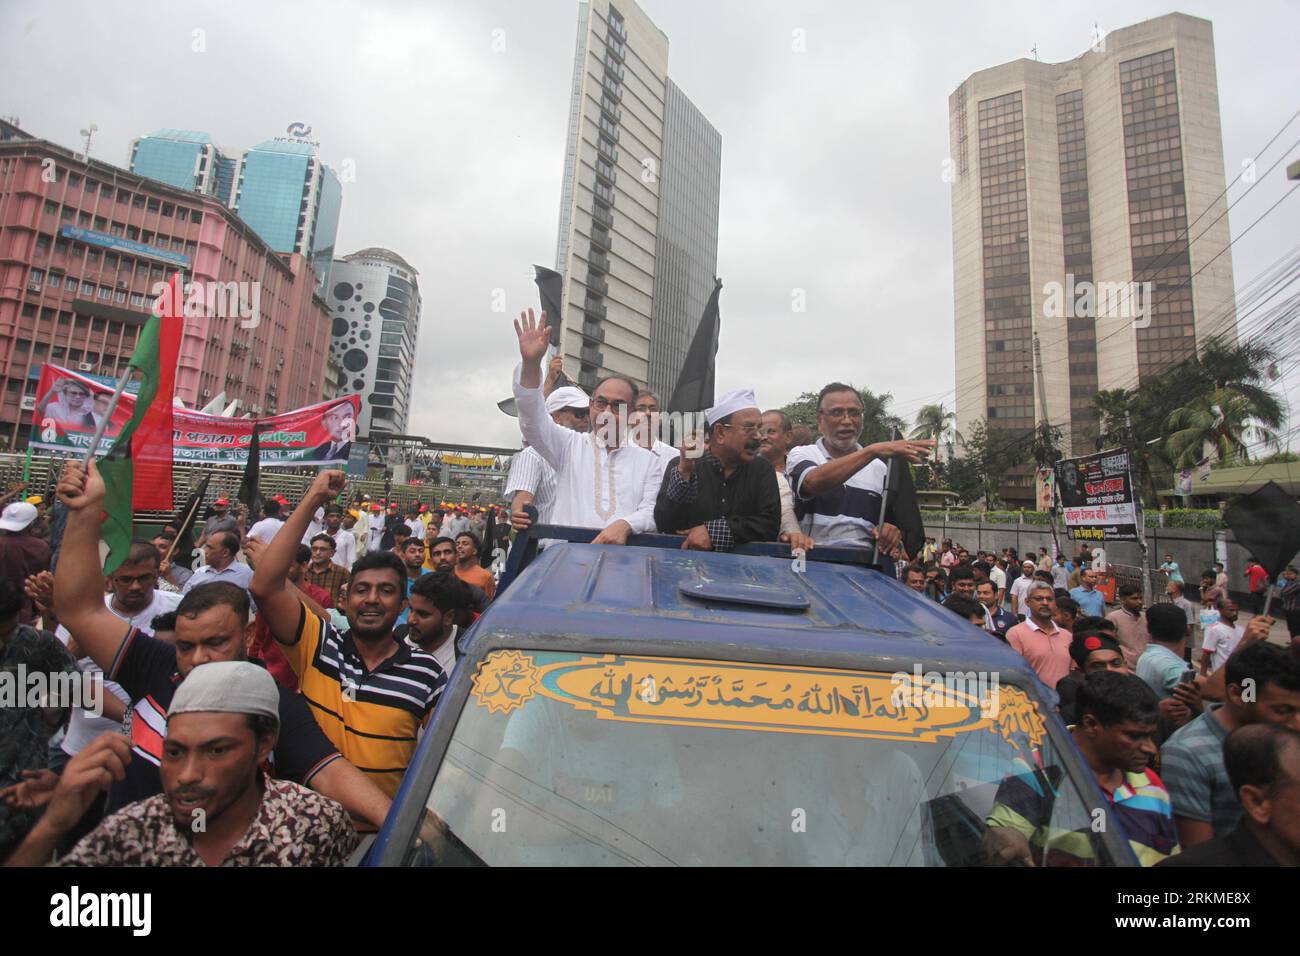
(831, 165)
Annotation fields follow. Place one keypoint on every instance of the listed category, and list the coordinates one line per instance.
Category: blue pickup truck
(644, 705)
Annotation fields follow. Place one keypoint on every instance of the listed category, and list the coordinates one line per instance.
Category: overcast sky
(832, 158)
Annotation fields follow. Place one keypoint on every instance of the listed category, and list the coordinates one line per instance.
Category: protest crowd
(262, 707)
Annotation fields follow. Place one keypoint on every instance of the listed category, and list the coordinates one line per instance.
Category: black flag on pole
(901, 508)
(695, 383)
(186, 517)
(550, 289)
(1266, 523)
(249, 493)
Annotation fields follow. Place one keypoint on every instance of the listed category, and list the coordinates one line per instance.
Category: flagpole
(103, 422)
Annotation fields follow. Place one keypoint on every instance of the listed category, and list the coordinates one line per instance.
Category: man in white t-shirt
(376, 525)
(134, 599)
(1221, 638)
(999, 579)
(1021, 586)
(345, 542)
(265, 529)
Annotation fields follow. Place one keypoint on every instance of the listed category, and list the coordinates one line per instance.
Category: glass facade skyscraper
(186, 159)
(279, 187)
(292, 200)
(686, 245)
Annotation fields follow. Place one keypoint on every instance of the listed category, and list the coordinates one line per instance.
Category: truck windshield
(571, 759)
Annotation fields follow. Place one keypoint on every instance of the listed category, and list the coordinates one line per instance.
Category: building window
(83, 220)
(137, 201)
(137, 299)
(36, 280)
(42, 242)
(67, 213)
(51, 208)
(115, 230)
(98, 325)
(87, 288)
(154, 205)
(101, 223)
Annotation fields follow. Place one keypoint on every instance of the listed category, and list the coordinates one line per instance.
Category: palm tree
(1216, 424)
(934, 422)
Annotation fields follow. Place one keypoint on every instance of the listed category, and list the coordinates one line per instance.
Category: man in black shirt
(211, 625)
(729, 496)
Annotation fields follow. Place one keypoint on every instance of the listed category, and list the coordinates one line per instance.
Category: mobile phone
(1189, 676)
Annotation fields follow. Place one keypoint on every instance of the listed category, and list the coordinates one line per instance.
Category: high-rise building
(1073, 188)
(292, 200)
(186, 159)
(639, 155)
(280, 187)
(686, 246)
(374, 298)
(87, 246)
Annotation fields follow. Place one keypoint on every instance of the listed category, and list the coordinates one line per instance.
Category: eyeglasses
(835, 414)
(747, 429)
(602, 403)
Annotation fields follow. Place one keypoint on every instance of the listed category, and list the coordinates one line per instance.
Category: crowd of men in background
(262, 705)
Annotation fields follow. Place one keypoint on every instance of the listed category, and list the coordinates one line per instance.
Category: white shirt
(345, 547)
(315, 526)
(530, 472)
(1220, 641)
(998, 577)
(1020, 590)
(665, 453)
(789, 523)
(594, 485)
(416, 527)
(376, 521)
(82, 727)
(265, 529)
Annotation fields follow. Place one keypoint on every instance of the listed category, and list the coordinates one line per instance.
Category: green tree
(937, 423)
(988, 454)
(1217, 423)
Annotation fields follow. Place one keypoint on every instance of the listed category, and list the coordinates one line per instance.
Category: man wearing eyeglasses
(602, 479)
(729, 496)
(838, 483)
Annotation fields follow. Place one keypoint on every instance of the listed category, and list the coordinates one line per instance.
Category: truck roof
(826, 614)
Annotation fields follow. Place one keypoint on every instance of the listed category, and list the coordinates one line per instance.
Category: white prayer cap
(731, 403)
(227, 687)
(17, 516)
(567, 396)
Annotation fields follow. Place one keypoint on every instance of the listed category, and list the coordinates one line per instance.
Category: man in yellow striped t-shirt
(369, 692)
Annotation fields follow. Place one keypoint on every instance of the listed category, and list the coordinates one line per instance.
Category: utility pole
(1142, 519)
(1042, 406)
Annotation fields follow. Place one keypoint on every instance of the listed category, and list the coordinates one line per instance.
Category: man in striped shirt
(532, 479)
(838, 483)
(1117, 716)
(369, 692)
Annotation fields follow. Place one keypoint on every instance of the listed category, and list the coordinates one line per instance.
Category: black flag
(1266, 523)
(185, 519)
(694, 389)
(550, 288)
(249, 494)
(901, 508)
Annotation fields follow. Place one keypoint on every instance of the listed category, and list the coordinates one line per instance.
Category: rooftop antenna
(89, 132)
(1034, 50)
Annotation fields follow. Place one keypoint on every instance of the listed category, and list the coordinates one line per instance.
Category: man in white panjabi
(602, 480)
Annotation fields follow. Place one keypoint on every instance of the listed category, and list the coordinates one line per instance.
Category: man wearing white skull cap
(729, 496)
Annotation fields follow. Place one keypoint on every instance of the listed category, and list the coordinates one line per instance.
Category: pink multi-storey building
(82, 246)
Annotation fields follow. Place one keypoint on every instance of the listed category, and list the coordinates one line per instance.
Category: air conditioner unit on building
(85, 366)
(207, 393)
(28, 403)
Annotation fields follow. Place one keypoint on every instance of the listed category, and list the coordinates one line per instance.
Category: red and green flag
(137, 470)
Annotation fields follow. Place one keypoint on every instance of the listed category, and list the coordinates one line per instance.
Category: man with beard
(729, 496)
(370, 692)
(412, 555)
(602, 480)
(436, 602)
(443, 557)
(1117, 718)
(217, 807)
(212, 624)
(838, 483)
